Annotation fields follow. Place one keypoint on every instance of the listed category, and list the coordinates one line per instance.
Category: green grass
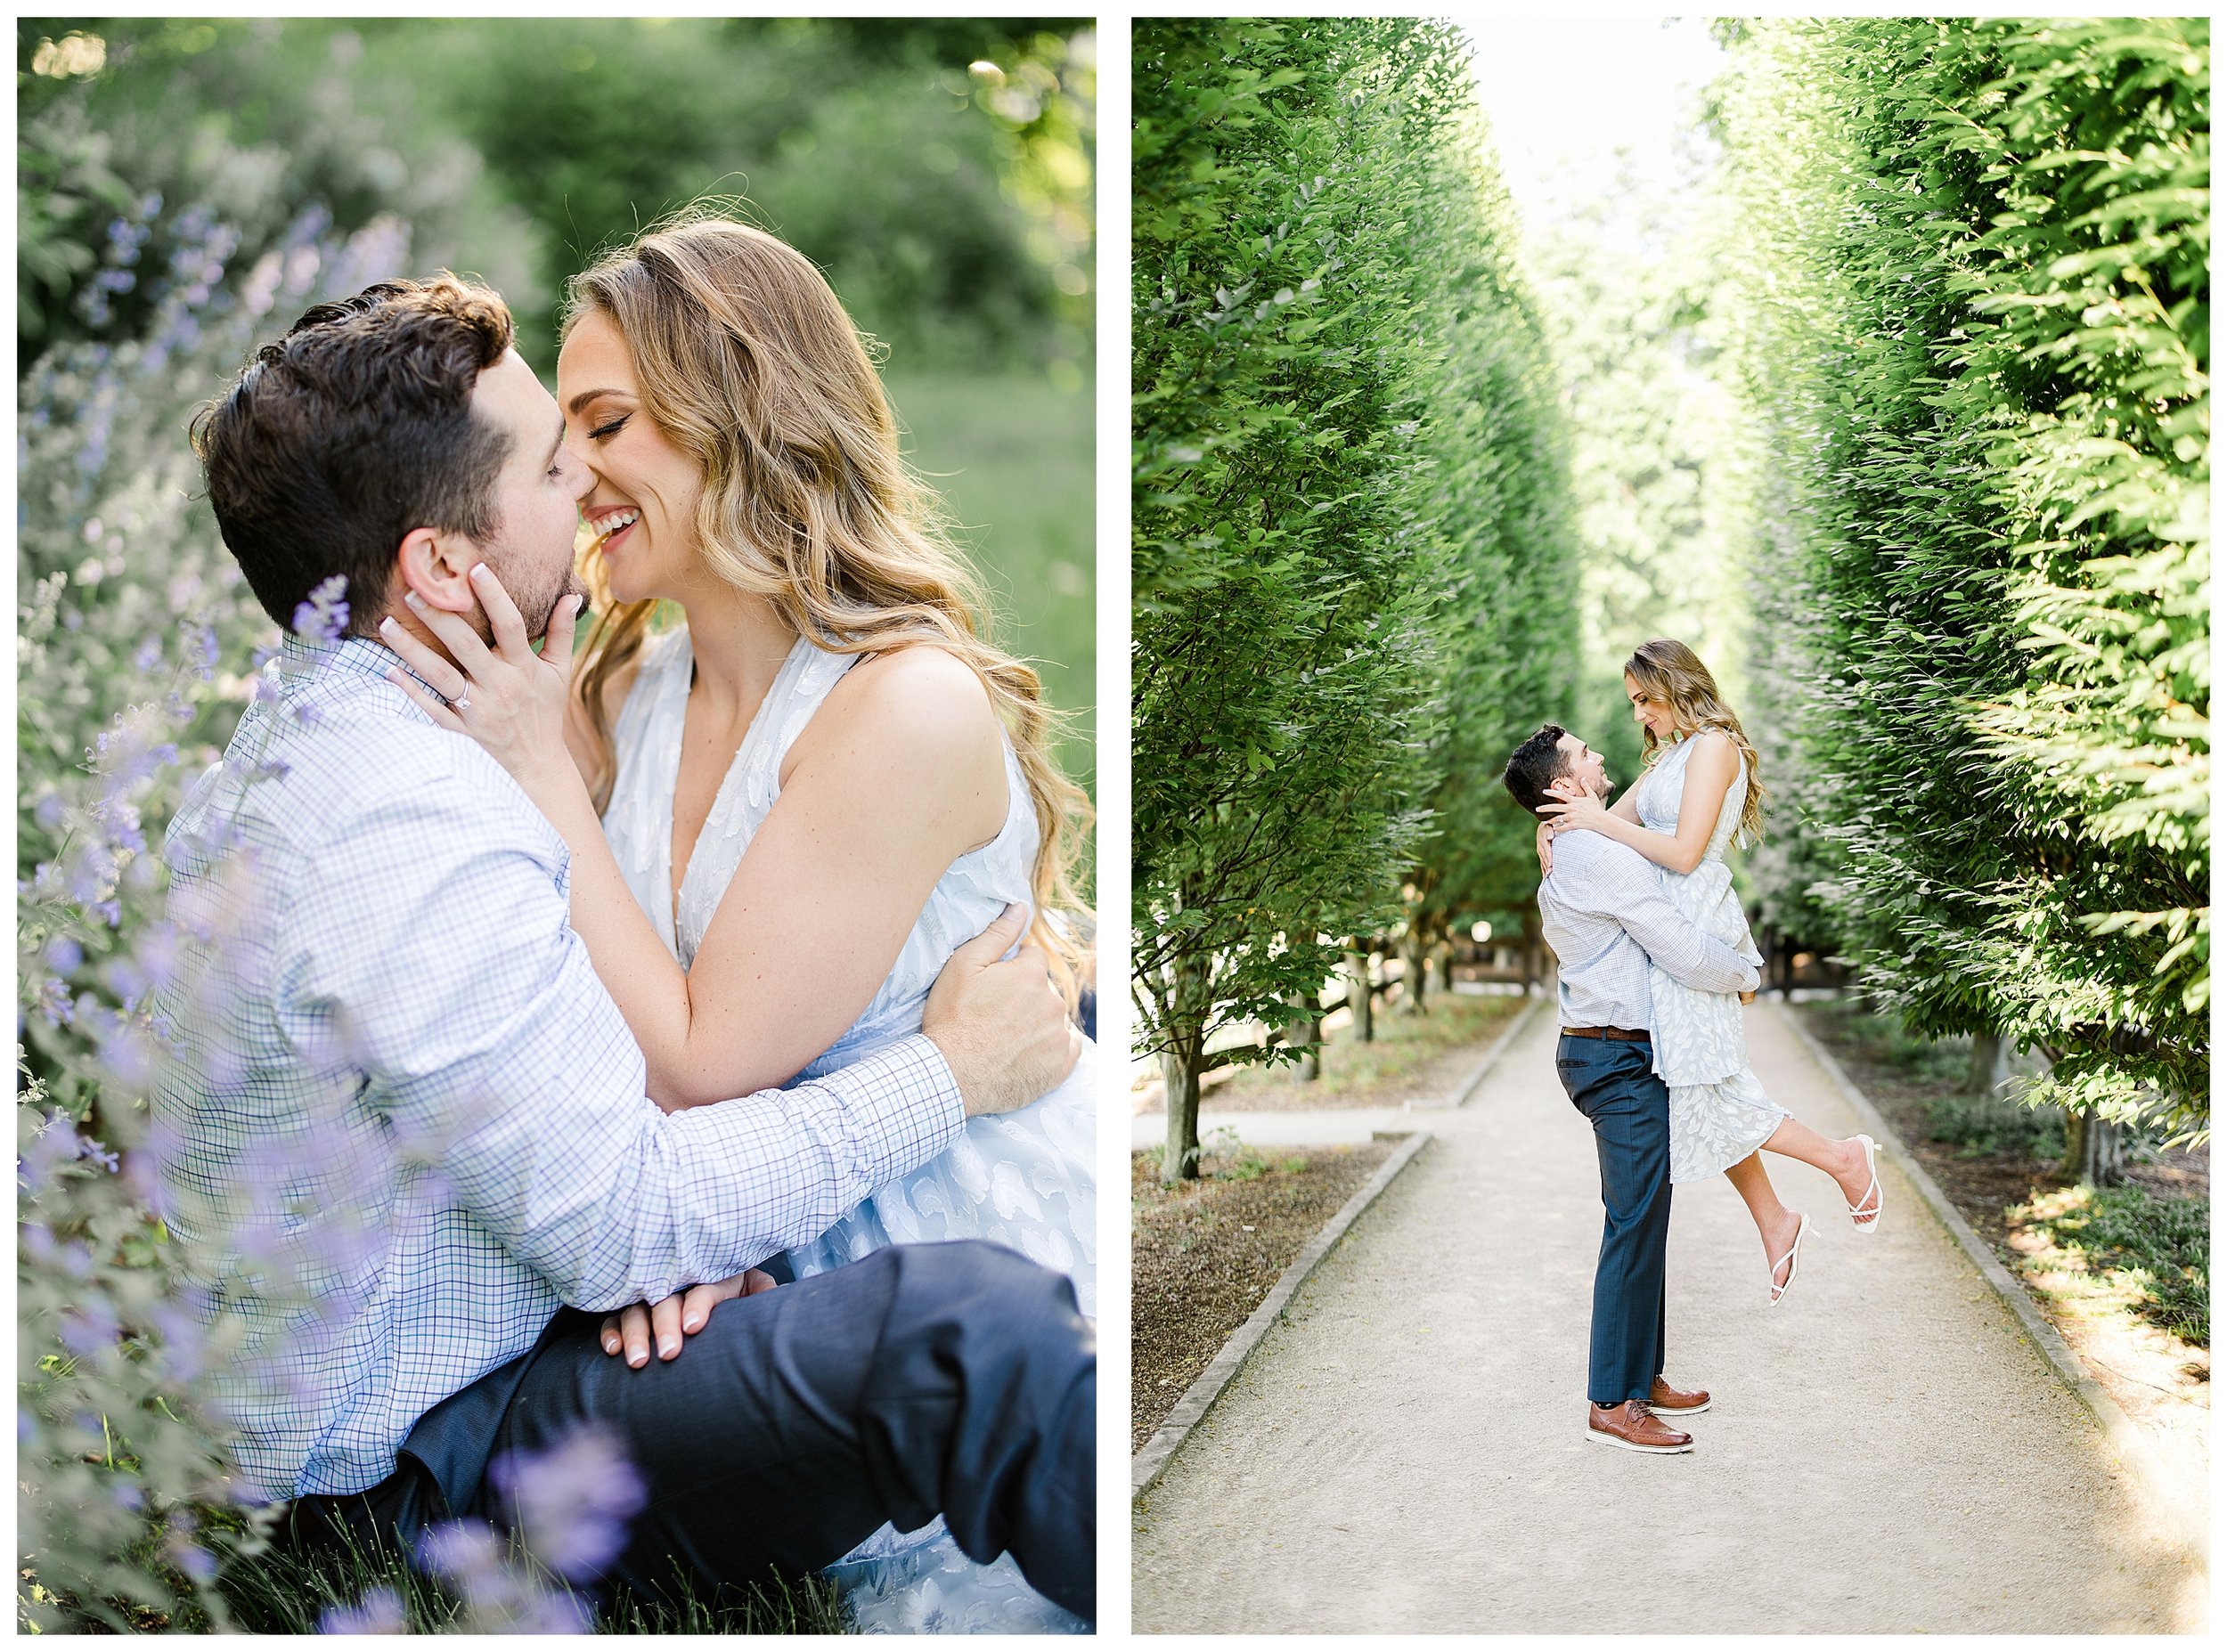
(1934, 1071)
(283, 1593)
(2157, 1249)
(1014, 458)
(1980, 1126)
(1357, 1074)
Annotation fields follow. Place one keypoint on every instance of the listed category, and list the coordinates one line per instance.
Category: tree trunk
(2095, 1150)
(1178, 1159)
(1413, 970)
(1991, 1063)
(1534, 957)
(1358, 996)
(1303, 1032)
(1445, 955)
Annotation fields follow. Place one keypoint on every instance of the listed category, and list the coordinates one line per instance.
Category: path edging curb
(1146, 1467)
(1491, 1057)
(2139, 1455)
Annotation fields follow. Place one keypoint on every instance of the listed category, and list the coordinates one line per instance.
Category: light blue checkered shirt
(1603, 912)
(398, 1089)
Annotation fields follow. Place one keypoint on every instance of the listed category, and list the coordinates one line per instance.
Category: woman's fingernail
(478, 568)
(638, 1360)
(667, 1347)
(387, 627)
(413, 599)
(693, 1323)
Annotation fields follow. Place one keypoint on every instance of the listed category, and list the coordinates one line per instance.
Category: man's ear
(1565, 787)
(437, 567)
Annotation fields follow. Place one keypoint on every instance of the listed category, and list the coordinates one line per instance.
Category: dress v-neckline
(676, 891)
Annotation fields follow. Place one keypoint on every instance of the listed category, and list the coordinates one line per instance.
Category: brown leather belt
(1622, 1035)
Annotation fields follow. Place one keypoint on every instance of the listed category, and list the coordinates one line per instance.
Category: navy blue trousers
(1610, 1083)
(954, 1379)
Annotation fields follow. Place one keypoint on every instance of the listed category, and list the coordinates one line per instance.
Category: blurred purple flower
(53, 1001)
(55, 1143)
(90, 1327)
(571, 1503)
(378, 1612)
(195, 1561)
(325, 617)
(466, 1554)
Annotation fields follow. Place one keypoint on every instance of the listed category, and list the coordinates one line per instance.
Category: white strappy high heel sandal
(1873, 1195)
(1793, 1259)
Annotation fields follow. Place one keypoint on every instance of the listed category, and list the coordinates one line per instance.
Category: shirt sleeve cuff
(909, 1090)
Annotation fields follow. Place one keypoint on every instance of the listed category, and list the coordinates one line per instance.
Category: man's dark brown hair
(1537, 764)
(355, 428)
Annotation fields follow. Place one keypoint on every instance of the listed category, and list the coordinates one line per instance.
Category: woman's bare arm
(900, 772)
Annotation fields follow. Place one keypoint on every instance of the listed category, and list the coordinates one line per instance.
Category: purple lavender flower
(571, 1503)
(195, 1561)
(378, 1612)
(467, 1554)
(325, 617)
(90, 1327)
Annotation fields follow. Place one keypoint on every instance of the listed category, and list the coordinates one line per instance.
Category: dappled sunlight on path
(1887, 1454)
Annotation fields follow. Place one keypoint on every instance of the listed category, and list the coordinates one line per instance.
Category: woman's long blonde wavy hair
(1673, 673)
(748, 363)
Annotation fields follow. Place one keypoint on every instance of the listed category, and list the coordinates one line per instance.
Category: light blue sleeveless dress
(1024, 1179)
(1719, 1112)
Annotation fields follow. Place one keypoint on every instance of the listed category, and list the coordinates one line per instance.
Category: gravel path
(1887, 1454)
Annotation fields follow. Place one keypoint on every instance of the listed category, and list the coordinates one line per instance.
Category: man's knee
(976, 1270)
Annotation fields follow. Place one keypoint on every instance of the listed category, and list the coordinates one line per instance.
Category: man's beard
(535, 606)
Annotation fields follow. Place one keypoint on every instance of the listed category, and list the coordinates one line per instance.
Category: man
(408, 1125)
(1605, 916)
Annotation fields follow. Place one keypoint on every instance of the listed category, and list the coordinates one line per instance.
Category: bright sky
(1564, 94)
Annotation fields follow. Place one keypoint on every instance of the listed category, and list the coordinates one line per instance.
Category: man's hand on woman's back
(1002, 1026)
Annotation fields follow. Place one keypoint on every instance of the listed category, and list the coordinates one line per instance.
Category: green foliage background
(1346, 508)
(1973, 268)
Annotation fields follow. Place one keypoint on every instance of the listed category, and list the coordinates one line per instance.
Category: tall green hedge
(1342, 481)
(1498, 490)
(1975, 253)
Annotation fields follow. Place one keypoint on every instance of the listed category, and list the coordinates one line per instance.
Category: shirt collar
(307, 662)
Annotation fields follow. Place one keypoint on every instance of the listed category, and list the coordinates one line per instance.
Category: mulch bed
(2155, 1377)
(1207, 1254)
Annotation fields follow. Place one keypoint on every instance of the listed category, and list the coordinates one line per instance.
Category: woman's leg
(1842, 1160)
(1774, 1221)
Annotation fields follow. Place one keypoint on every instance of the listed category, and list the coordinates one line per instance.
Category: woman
(828, 708)
(1698, 793)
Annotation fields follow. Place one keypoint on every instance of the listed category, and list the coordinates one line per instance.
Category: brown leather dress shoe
(1632, 1426)
(1676, 1402)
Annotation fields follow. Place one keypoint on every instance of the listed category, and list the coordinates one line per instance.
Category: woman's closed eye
(610, 429)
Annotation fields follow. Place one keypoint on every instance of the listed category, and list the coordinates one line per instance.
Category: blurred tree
(1977, 264)
(1349, 519)
(1499, 492)
(939, 173)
